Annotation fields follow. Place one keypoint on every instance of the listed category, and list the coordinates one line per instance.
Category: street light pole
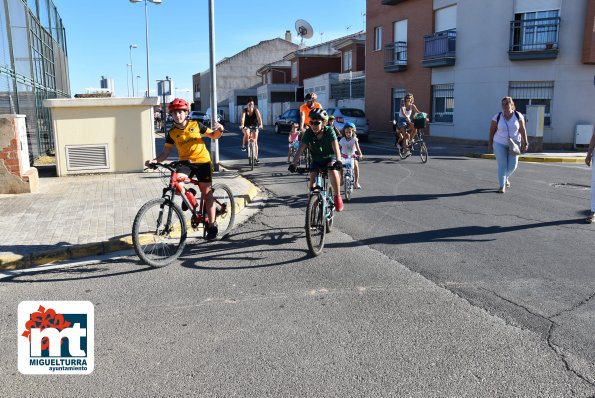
(127, 81)
(147, 38)
(131, 70)
(137, 85)
(212, 66)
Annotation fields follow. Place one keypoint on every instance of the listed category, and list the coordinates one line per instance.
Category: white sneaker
(507, 182)
(502, 190)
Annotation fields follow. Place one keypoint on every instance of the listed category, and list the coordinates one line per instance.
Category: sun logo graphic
(56, 337)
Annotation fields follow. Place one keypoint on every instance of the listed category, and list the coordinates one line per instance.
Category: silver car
(353, 115)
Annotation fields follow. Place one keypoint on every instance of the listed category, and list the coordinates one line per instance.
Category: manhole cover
(570, 186)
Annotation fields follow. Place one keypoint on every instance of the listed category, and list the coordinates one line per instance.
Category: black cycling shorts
(202, 172)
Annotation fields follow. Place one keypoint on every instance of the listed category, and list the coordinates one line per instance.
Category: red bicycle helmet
(178, 103)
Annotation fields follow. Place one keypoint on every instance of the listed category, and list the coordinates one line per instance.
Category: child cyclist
(350, 149)
(294, 139)
(187, 135)
(324, 148)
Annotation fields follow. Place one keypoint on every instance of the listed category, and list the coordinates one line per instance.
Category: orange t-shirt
(189, 142)
(305, 109)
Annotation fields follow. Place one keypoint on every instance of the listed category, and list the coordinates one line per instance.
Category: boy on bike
(187, 135)
(323, 145)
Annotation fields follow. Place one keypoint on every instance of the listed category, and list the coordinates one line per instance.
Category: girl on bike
(405, 122)
(251, 119)
(294, 137)
(350, 149)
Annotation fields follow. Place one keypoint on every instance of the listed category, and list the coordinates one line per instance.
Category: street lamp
(137, 85)
(147, 35)
(131, 72)
(128, 81)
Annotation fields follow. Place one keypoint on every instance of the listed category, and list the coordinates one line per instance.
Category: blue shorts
(402, 122)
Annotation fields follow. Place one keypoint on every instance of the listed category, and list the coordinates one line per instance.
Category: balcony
(440, 49)
(391, 2)
(534, 39)
(395, 57)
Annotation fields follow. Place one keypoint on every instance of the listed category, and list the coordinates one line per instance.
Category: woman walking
(508, 124)
(588, 160)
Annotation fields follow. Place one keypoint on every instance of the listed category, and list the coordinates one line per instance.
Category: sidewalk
(86, 215)
(453, 147)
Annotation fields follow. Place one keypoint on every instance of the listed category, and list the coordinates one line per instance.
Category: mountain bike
(251, 147)
(159, 230)
(320, 210)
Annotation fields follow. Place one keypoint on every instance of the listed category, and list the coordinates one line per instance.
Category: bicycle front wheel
(315, 225)
(159, 232)
(423, 152)
(225, 208)
(347, 186)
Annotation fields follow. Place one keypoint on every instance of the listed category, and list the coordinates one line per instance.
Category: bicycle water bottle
(191, 198)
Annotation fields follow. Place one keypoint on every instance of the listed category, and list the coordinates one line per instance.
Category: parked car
(197, 115)
(207, 120)
(353, 115)
(284, 122)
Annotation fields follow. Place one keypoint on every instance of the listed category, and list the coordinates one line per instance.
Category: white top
(508, 128)
(407, 112)
(348, 147)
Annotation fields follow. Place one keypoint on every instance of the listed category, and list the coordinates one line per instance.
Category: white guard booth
(102, 135)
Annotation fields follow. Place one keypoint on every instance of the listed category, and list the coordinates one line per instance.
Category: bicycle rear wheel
(315, 225)
(159, 232)
(225, 208)
(423, 152)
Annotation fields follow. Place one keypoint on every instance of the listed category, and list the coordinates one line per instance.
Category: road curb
(14, 261)
(534, 159)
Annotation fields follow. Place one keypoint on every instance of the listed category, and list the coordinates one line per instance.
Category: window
(347, 61)
(293, 70)
(536, 30)
(443, 102)
(398, 95)
(378, 38)
(533, 93)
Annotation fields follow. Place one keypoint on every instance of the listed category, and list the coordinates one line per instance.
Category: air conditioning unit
(582, 135)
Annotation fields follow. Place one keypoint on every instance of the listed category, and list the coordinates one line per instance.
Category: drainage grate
(570, 186)
(87, 157)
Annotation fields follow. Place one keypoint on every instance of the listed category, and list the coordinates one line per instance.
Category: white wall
(483, 71)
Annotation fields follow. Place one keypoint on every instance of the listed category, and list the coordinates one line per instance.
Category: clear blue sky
(99, 34)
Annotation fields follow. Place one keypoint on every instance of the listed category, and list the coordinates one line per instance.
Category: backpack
(516, 113)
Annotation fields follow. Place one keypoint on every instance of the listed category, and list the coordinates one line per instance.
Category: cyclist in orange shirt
(187, 136)
(309, 104)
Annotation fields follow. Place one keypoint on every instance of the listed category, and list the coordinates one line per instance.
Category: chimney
(288, 35)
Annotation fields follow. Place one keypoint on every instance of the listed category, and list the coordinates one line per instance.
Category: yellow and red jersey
(189, 142)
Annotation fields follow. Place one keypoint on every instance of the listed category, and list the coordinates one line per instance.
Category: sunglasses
(315, 123)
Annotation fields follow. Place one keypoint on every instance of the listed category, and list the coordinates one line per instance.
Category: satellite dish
(304, 29)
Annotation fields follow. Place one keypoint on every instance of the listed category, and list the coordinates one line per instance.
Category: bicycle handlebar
(318, 169)
(171, 166)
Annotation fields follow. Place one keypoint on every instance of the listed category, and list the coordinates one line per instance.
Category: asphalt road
(431, 284)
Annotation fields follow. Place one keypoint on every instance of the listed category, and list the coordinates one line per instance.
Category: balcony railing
(395, 57)
(440, 49)
(534, 39)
